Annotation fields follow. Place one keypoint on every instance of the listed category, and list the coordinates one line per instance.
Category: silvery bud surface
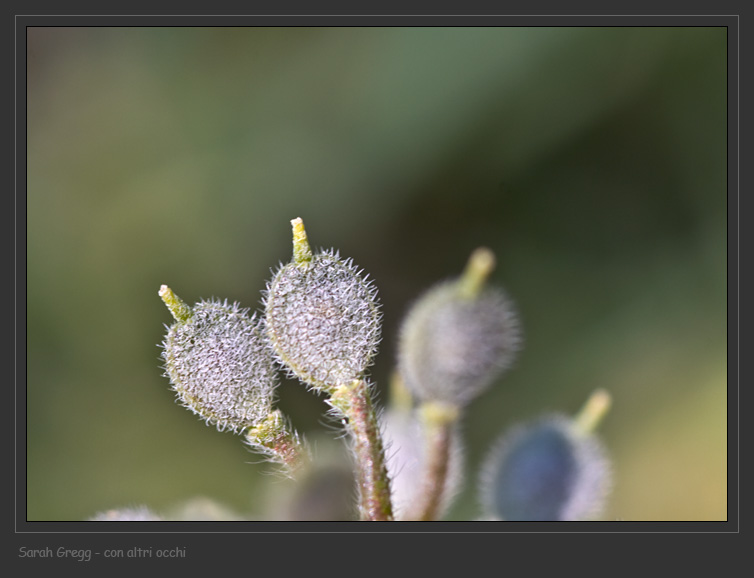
(549, 470)
(219, 363)
(322, 318)
(453, 346)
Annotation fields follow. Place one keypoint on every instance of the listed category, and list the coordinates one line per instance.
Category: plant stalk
(438, 422)
(353, 401)
(273, 438)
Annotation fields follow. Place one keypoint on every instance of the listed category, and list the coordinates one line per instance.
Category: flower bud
(550, 470)
(322, 316)
(219, 363)
(458, 337)
(202, 509)
(135, 514)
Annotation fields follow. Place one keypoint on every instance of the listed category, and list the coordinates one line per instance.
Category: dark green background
(591, 160)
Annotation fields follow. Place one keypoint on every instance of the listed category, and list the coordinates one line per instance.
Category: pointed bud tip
(483, 259)
(478, 269)
(593, 412)
(178, 309)
(601, 398)
(302, 252)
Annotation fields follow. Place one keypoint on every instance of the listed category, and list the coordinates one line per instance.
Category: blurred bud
(458, 337)
(322, 316)
(135, 514)
(325, 494)
(551, 470)
(406, 451)
(219, 362)
(201, 509)
(324, 490)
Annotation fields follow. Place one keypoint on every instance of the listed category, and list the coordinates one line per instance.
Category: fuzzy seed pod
(546, 471)
(219, 363)
(455, 342)
(322, 317)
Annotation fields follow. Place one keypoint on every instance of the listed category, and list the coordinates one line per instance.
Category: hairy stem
(353, 401)
(273, 439)
(438, 422)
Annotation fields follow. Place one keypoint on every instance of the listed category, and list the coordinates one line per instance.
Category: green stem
(273, 439)
(354, 402)
(438, 422)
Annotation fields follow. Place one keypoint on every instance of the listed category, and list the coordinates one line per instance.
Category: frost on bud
(458, 337)
(322, 316)
(135, 514)
(550, 470)
(219, 363)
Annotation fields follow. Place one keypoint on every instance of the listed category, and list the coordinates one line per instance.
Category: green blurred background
(591, 160)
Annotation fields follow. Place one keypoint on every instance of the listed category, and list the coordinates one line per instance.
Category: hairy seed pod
(322, 317)
(219, 363)
(546, 471)
(455, 341)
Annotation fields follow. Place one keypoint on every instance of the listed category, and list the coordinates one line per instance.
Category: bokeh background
(591, 160)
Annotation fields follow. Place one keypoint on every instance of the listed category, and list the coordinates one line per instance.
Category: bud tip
(594, 410)
(302, 252)
(478, 269)
(180, 311)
